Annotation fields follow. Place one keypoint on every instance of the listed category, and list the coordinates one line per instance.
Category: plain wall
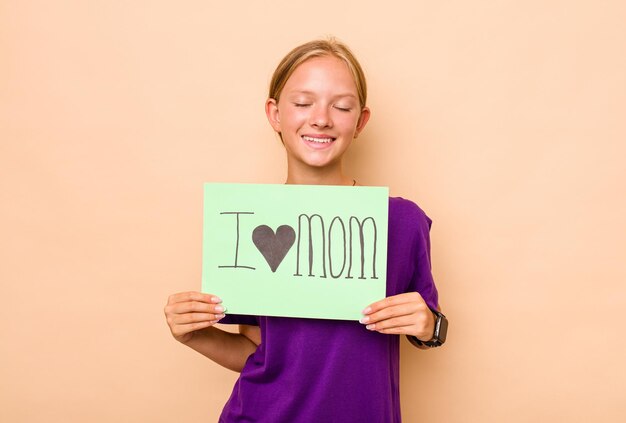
(505, 121)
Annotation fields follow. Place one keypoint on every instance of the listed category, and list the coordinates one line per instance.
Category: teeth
(320, 140)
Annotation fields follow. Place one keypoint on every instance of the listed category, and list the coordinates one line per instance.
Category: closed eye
(301, 104)
(343, 109)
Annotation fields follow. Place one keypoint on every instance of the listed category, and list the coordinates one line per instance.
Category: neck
(305, 175)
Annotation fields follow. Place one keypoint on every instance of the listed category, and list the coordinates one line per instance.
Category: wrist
(429, 330)
(439, 333)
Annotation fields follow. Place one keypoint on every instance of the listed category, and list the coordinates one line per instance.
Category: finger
(392, 323)
(193, 296)
(397, 330)
(407, 297)
(195, 307)
(390, 312)
(181, 319)
(416, 324)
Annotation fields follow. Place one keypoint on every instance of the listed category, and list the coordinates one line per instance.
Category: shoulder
(406, 212)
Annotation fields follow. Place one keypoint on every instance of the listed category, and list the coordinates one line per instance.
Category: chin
(320, 164)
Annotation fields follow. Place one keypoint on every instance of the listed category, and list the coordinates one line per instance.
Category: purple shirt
(316, 371)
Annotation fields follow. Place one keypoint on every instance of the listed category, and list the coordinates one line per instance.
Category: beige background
(505, 121)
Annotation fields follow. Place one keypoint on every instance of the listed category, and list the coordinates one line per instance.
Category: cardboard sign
(295, 250)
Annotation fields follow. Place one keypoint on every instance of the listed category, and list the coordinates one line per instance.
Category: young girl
(311, 370)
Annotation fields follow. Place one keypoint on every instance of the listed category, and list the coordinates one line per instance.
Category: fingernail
(367, 310)
(216, 300)
(370, 327)
(219, 316)
(219, 308)
(364, 319)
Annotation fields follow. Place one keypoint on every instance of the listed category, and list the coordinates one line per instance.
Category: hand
(188, 312)
(403, 314)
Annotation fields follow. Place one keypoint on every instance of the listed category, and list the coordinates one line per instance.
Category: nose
(320, 117)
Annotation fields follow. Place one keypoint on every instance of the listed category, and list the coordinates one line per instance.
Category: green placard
(295, 250)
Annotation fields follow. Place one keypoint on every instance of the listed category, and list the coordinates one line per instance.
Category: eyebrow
(312, 93)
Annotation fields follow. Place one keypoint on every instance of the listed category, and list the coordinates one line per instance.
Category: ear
(365, 116)
(273, 116)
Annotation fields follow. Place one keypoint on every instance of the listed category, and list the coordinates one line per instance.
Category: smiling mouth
(320, 140)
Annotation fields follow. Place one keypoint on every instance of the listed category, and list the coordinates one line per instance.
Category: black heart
(274, 247)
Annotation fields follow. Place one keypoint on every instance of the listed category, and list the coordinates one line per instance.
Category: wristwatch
(439, 336)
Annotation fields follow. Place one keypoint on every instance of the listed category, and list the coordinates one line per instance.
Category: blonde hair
(317, 48)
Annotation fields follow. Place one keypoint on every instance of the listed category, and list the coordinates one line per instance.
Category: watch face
(441, 330)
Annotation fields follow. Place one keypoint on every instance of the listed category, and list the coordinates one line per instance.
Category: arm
(230, 350)
(191, 316)
(408, 313)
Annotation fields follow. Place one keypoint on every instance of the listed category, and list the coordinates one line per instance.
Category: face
(318, 114)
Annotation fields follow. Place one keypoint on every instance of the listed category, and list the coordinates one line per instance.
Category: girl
(312, 370)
